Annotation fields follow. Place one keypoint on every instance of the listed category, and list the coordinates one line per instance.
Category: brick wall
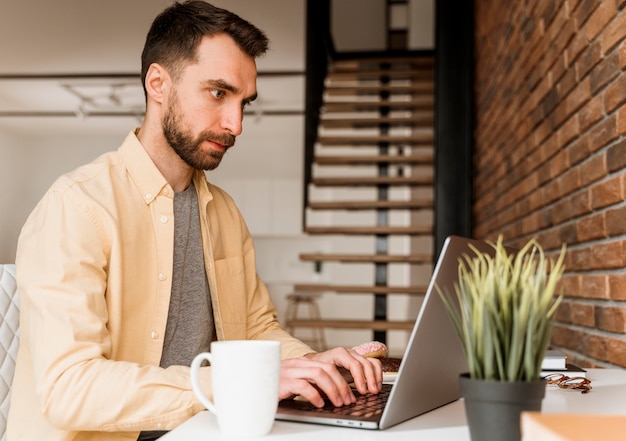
(550, 158)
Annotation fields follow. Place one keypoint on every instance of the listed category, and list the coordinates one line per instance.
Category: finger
(323, 376)
(366, 372)
(374, 375)
(303, 389)
(333, 385)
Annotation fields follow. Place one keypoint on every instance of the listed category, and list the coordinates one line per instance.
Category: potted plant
(503, 313)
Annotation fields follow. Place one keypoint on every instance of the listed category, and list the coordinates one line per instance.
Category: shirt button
(148, 195)
(154, 335)
(166, 191)
(162, 276)
(163, 219)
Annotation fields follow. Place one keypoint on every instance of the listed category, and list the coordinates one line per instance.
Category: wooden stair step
(386, 57)
(363, 181)
(424, 87)
(423, 119)
(356, 106)
(393, 74)
(367, 258)
(371, 205)
(417, 62)
(361, 289)
(414, 139)
(414, 230)
(375, 325)
(424, 158)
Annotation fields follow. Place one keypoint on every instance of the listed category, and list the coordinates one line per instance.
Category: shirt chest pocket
(232, 291)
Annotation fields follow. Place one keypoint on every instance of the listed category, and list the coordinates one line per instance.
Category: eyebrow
(221, 84)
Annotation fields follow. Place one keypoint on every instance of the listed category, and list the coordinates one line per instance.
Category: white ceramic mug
(245, 376)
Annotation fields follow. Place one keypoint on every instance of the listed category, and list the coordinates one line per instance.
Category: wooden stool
(294, 300)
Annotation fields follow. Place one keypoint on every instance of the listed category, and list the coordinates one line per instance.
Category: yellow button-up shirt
(94, 269)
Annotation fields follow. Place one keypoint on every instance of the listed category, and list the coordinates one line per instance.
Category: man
(131, 265)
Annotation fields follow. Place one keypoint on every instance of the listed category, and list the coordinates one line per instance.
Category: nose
(232, 119)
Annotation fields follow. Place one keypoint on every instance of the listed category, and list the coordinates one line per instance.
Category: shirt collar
(142, 170)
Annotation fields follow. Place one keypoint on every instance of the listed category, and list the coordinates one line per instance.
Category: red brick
(591, 227)
(562, 211)
(604, 73)
(568, 182)
(616, 349)
(596, 346)
(582, 314)
(622, 55)
(568, 131)
(566, 337)
(614, 32)
(563, 313)
(576, 46)
(573, 101)
(620, 128)
(616, 156)
(617, 287)
(559, 163)
(579, 149)
(611, 318)
(570, 284)
(579, 260)
(581, 203)
(563, 75)
(588, 59)
(591, 113)
(603, 133)
(593, 170)
(599, 19)
(607, 192)
(615, 94)
(595, 287)
(607, 255)
(615, 224)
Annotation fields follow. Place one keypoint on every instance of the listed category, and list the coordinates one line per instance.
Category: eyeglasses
(565, 382)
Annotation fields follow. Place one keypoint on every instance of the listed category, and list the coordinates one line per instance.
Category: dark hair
(177, 31)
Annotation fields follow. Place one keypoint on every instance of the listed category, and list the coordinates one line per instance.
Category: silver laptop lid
(429, 373)
(428, 376)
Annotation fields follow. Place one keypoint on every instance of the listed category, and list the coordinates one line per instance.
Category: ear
(157, 82)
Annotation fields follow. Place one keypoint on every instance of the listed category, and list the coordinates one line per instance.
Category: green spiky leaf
(504, 310)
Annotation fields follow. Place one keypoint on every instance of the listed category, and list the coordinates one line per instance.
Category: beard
(186, 145)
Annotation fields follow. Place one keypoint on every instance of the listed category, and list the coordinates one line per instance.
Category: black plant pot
(493, 408)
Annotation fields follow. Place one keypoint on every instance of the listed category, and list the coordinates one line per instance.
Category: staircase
(372, 179)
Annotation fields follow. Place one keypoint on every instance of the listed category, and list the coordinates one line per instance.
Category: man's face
(204, 109)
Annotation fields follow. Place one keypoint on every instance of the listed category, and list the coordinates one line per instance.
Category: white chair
(9, 339)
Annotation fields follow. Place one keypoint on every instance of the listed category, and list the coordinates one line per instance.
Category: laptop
(428, 376)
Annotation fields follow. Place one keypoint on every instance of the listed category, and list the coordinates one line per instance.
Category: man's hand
(328, 373)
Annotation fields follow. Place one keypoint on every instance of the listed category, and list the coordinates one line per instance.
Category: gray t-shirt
(190, 326)
(190, 319)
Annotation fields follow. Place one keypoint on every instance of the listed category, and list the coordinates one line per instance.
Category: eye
(218, 94)
(245, 103)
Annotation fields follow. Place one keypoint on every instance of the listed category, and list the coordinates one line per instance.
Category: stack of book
(555, 361)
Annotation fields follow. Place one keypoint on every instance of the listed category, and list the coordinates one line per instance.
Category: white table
(447, 423)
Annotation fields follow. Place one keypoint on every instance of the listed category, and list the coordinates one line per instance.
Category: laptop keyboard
(366, 405)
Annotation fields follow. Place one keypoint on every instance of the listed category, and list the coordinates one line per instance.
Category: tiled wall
(550, 154)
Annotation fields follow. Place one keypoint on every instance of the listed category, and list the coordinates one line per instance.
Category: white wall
(29, 164)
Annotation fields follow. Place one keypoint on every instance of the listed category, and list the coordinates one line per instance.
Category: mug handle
(195, 380)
